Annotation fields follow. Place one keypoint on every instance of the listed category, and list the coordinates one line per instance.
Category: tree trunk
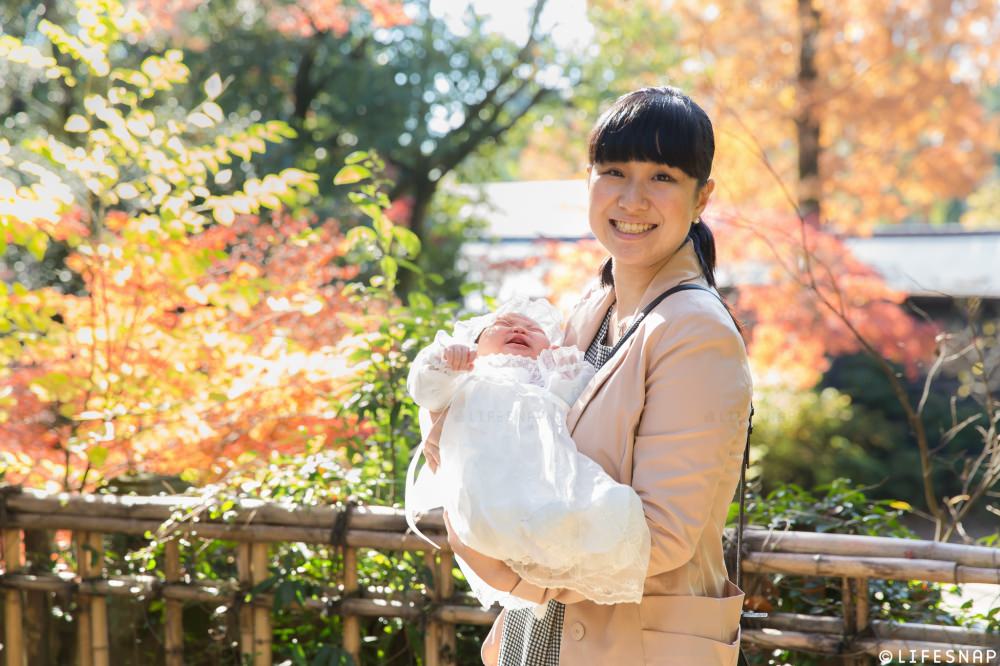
(422, 191)
(806, 117)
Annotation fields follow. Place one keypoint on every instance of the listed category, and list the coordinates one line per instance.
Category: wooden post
(261, 613)
(246, 612)
(84, 632)
(432, 630)
(852, 611)
(862, 603)
(449, 640)
(173, 609)
(13, 608)
(99, 605)
(352, 626)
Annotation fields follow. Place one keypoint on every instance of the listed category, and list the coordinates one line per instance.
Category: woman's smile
(631, 230)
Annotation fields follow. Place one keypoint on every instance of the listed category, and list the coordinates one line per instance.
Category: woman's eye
(612, 172)
(664, 177)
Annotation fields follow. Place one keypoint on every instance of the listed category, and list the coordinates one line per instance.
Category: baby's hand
(459, 357)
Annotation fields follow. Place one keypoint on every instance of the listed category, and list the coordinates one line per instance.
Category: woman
(666, 414)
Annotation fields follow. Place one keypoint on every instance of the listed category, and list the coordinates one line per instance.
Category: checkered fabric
(526, 640)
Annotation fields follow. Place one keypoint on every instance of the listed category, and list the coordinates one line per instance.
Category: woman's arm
(499, 576)
(693, 426)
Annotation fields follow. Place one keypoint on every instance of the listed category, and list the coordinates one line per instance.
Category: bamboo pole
(13, 607)
(99, 605)
(861, 610)
(792, 640)
(411, 609)
(261, 611)
(850, 628)
(855, 545)
(847, 607)
(84, 630)
(357, 538)
(449, 640)
(173, 610)
(248, 511)
(432, 630)
(246, 613)
(408, 607)
(886, 568)
(352, 626)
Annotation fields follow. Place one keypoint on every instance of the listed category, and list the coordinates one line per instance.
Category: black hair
(665, 126)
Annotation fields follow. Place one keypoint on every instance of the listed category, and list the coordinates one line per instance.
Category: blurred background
(226, 227)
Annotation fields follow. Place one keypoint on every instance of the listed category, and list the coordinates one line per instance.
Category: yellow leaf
(901, 505)
(213, 111)
(224, 215)
(76, 123)
(213, 87)
(200, 120)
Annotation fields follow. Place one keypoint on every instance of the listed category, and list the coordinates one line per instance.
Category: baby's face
(512, 334)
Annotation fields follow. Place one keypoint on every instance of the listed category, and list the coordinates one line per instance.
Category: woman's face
(512, 334)
(641, 211)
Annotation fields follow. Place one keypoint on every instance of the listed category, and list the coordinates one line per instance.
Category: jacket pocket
(680, 629)
(663, 648)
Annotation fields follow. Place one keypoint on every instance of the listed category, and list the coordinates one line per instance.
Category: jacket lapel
(683, 266)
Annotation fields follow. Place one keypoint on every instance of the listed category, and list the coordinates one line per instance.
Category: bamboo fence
(853, 559)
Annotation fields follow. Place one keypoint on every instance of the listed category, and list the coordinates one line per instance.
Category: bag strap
(746, 449)
(649, 308)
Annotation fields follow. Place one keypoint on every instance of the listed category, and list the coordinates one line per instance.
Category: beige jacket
(667, 415)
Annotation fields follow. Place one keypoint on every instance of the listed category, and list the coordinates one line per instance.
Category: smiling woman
(667, 412)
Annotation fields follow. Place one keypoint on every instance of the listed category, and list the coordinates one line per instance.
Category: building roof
(920, 260)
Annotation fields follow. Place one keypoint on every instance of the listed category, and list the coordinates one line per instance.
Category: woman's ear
(704, 193)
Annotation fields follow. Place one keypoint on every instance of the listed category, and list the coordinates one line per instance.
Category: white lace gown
(515, 486)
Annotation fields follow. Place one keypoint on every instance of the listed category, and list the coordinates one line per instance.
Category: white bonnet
(538, 309)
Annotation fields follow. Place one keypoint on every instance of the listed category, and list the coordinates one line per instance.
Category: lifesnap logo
(939, 656)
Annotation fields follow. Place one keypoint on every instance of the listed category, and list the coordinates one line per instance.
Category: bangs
(654, 128)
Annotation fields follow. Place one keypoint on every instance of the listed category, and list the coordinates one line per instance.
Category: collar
(683, 266)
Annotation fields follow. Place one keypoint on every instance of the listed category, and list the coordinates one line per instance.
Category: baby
(513, 483)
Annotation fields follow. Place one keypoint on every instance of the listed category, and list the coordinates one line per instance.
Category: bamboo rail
(854, 559)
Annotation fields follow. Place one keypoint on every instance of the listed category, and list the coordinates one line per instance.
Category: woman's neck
(630, 284)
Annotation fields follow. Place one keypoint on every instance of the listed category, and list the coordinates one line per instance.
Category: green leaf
(409, 240)
(389, 269)
(468, 287)
(352, 173)
(358, 237)
(383, 228)
(37, 244)
(419, 301)
(97, 455)
(356, 156)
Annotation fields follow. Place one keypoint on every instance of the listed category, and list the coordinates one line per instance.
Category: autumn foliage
(801, 295)
(208, 323)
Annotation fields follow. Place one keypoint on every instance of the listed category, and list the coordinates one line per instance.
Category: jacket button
(577, 631)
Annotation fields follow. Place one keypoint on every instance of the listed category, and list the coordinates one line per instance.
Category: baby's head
(512, 333)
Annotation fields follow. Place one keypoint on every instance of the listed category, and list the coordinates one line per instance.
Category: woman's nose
(633, 198)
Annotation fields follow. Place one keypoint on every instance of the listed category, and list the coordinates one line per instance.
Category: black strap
(746, 449)
(649, 308)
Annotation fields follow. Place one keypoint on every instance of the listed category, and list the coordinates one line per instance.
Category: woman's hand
(494, 572)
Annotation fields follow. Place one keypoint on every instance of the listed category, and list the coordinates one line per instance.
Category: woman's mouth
(631, 228)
